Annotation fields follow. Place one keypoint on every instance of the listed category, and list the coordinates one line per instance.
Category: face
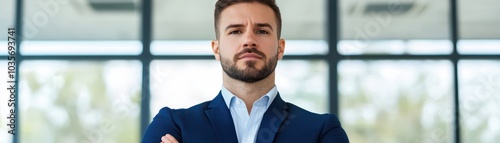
(247, 45)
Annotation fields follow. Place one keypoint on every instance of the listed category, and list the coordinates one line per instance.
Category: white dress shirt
(246, 126)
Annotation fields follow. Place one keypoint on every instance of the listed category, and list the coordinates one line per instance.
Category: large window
(77, 79)
(393, 71)
(403, 64)
(377, 97)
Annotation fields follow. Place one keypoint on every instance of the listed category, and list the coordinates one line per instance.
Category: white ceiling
(193, 20)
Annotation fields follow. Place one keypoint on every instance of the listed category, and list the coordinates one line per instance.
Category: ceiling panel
(193, 20)
(409, 19)
(78, 20)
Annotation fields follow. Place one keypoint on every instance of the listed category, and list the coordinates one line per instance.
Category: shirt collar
(230, 97)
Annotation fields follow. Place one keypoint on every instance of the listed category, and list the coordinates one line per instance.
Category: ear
(281, 48)
(215, 49)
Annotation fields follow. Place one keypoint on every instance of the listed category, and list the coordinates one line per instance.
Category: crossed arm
(161, 125)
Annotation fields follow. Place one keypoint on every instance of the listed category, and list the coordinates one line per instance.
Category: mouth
(250, 56)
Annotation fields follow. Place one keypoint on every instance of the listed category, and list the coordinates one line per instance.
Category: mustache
(249, 50)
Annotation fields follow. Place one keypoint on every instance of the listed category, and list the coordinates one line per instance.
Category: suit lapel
(222, 122)
(272, 120)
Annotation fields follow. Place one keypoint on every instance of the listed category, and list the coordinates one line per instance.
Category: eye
(235, 32)
(262, 32)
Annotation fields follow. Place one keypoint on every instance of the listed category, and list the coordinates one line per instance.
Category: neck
(248, 92)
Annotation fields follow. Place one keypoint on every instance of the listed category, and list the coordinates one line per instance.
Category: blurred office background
(394, 71)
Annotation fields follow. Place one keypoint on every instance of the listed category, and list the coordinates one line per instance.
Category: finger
(171, 138)
(164, 139)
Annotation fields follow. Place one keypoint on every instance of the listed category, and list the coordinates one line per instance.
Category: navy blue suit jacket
(211, 122)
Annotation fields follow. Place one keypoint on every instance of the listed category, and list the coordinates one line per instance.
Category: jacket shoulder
(329, 118)
(196, 109)
(292, 108)
(323, 127)
(173, 121)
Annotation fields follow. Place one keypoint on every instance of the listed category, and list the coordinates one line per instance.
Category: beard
(250, 73)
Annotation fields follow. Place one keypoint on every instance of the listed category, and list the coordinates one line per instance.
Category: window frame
(333, 57)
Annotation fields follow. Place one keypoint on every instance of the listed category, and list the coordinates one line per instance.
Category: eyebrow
(264, 25)
(241, 25)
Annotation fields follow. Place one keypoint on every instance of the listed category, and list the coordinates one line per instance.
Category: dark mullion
(286, 57)
(333, 55)
(158, 57)
(145, 57)
(455, 57)
(211, 57)
(184, 57)
(81, 57)
(19, 58)
(419, 57)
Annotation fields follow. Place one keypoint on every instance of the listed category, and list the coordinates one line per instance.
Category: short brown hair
(222, 4)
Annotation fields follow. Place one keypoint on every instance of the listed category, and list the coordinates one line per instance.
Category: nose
(249, 40)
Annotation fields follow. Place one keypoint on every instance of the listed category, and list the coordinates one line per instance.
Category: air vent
(113, 5)
(401, 8)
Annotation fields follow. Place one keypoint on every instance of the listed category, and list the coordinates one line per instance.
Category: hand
(168, 139)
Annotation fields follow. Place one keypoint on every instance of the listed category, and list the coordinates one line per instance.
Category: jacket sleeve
(161, 125)
(332, 131)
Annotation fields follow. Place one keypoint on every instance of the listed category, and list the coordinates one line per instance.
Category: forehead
(247, 12)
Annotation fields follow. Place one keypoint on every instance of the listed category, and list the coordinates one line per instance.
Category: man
(249, 108)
